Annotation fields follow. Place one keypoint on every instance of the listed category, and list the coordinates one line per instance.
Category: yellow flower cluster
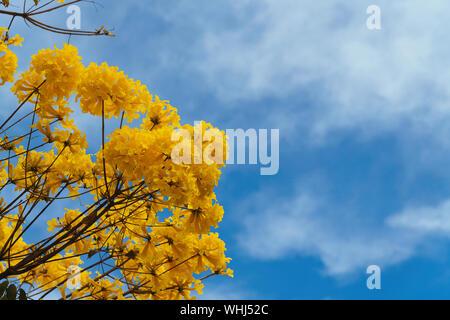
(150, 218)
(106, 87)
(8, 60)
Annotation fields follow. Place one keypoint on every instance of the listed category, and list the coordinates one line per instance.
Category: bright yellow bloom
(153, 217)
(8, 60)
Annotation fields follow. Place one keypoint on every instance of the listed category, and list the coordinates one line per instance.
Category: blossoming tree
(139, 225)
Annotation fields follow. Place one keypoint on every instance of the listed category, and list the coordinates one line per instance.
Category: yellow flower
(104, 86)
(150, 215)
(8, 60)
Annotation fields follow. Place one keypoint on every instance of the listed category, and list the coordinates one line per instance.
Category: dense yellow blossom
(150, 218)
(8, 60)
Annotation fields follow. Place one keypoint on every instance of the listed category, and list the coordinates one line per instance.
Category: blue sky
(363, 118)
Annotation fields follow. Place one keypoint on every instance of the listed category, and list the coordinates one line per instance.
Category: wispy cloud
(426, 220)
(360, 78)
(309, 225)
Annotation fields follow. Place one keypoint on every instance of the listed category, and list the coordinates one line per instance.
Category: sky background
(364, 126)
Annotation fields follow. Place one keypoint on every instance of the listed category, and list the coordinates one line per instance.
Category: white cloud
(425, 220)
(308, 226)
(361, 79)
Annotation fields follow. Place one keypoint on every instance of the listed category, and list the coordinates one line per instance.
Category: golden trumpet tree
(140, 224)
